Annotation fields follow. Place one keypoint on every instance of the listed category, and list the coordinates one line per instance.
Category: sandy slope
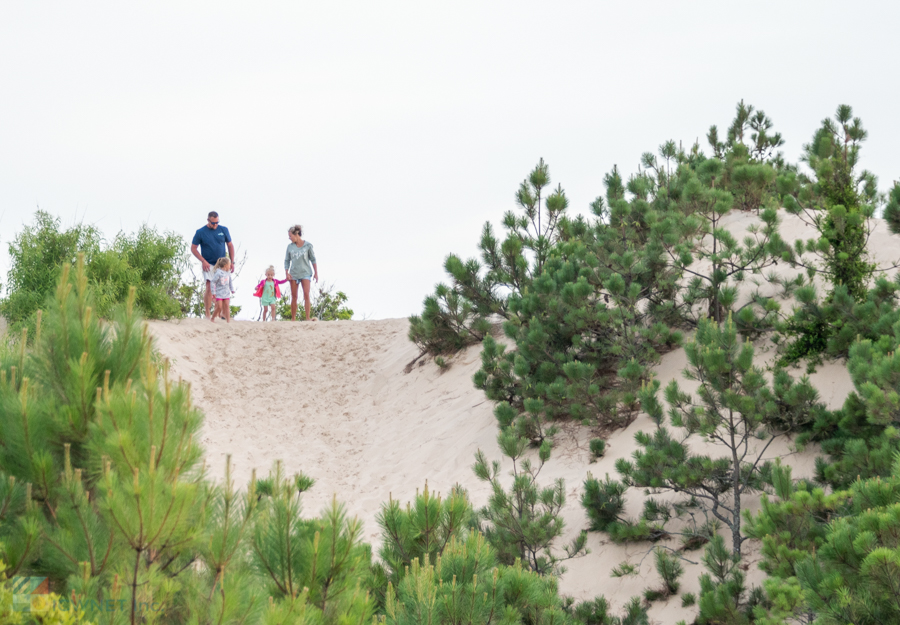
(333, 399)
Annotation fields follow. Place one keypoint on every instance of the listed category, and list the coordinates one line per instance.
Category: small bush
(670, 569)
(598, 447)
(688, 599)
(603, 501)
(324, 305)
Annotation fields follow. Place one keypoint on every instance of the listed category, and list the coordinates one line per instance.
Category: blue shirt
(212, 243)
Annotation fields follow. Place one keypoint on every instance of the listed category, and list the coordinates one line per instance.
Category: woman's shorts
(301, 278)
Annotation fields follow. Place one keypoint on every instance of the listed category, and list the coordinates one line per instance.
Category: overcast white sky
(393, 130)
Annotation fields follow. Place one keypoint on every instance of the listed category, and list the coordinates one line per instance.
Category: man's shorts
(208, 275)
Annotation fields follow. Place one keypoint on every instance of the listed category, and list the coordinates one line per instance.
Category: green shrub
(324, 305)
(603, 501)
(597, 447)
(148, 261)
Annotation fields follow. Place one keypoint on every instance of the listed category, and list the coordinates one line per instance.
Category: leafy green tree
(148, 261)
(791, 527)
(694, 239)
(37, 255)
(524, 522)
(588, 328)
(838, 201)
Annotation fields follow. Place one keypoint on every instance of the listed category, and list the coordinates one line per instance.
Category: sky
(393, 130)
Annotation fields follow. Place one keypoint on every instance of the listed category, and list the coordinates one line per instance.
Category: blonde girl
(223, 289)
(268, 292)
(300, 267)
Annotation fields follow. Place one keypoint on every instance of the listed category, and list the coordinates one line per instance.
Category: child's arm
(230, 283)
(281, 281)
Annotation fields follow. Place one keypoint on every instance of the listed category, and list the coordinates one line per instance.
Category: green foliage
(860, 439)
(603, 501)
(597, 447)
(851, 577)
(465, 585)
(328, 306)
(795, 525)
(669, 567)
(693, 237)
(688, 599)
(892, 209)
(104, 442)
(324, 305)
(457, 315)
(49, 609)
(447, 324)
(524, 522)
(37, 255)
(597, 612)
(838, 202)
(322, 558)
(724, 597)
(736, 409)
(419, 532)
(149, 262)
(586, 329)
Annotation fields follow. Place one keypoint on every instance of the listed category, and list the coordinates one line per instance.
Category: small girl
(268, 292)
(223, 289)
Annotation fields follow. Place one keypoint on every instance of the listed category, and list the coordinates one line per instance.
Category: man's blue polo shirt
(212, 243)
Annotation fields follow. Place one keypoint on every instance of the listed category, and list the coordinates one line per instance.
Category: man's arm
(202, 260)
(231, 255)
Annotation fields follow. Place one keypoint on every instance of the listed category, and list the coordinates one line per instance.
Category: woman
(299, 267)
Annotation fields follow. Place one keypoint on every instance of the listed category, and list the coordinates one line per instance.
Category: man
(213, 240)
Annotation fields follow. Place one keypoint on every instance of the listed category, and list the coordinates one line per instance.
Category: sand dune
(334, 400)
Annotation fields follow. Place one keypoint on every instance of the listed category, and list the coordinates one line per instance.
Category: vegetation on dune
(587, 305)
(103, 490)
(149, 261)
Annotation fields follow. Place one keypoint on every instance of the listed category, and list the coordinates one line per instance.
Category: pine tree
(321, 562)
(852, 577)
(466, 585)
(458, 315)
(524, 522)
(837, 201)
(421, 531)
(734, 409)
(892, 208)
